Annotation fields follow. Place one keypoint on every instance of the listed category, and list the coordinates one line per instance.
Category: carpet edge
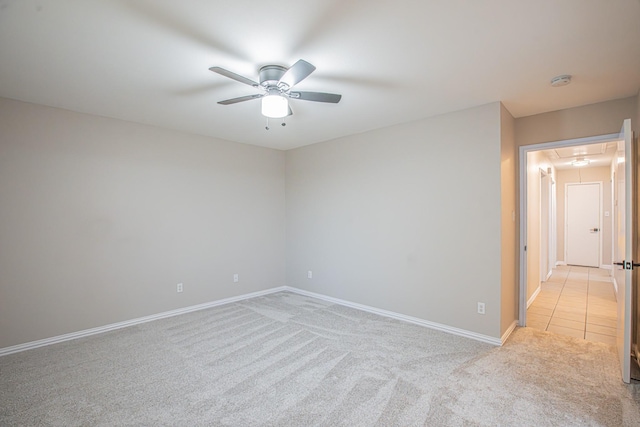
(404, 318)
(137, 321)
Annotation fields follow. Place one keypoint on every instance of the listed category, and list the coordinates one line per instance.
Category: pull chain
(267, 126)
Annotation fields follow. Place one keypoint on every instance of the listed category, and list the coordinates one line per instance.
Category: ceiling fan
(275, 87)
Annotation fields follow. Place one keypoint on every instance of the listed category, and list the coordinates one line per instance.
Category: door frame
(566, 214)
(522, 165)
(553, 230)
(545, 202)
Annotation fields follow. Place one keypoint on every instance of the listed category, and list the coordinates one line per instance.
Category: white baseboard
(510, 329)
(606, 267)
(93, 331)
(560, 263)
(533, 296)
(548, 275)
(615, 286)
(113, 326)
(402, 317)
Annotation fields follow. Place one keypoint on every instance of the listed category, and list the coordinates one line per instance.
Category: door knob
(594, 230)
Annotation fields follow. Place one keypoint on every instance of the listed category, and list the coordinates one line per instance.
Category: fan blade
(297, 73)
(234, 76)
(240, 99)
(316, 96)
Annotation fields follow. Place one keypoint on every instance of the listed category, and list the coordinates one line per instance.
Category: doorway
(539, 250)
(624, 234)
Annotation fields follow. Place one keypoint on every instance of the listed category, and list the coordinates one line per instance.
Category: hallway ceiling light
(580, 161)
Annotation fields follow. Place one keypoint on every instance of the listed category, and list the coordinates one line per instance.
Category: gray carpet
(290, 360)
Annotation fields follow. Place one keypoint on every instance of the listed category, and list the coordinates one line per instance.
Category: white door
(583, 224)
(625, 246)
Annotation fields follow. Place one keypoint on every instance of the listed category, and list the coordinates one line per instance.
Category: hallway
(578, 302)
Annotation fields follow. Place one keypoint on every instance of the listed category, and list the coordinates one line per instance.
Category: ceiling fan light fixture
(275, 86)
(275, 106)
(580, 161)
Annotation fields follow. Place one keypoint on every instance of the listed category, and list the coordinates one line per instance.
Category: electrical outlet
(236, 278)
(480, 308)
(309, 274)
(179, 287)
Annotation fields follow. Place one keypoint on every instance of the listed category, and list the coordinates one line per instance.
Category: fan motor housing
(270, 75)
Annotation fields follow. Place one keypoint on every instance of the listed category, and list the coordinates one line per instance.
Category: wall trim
(606, 267)
(508, 332)
(119, 325)
(533, 296)
(404, 318)
(125, 324)
(560, 263)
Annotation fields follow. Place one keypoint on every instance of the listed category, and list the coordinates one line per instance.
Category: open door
(625, 245)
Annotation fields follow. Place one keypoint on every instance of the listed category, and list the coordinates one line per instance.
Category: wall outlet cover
(481, 308)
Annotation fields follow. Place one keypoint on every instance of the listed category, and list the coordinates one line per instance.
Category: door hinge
(525, 248)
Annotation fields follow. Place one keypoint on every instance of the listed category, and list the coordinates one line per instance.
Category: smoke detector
(563, 80)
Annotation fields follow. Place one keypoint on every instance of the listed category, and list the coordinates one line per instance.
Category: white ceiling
(393, 61)
(598, 155)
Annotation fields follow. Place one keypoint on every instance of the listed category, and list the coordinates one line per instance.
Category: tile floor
(576, 301)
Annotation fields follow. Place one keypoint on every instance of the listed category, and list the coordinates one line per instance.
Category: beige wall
(509, 294)
(101, 219)
(593, 174)
(635, 124)
(406, 218)
(590, 120)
